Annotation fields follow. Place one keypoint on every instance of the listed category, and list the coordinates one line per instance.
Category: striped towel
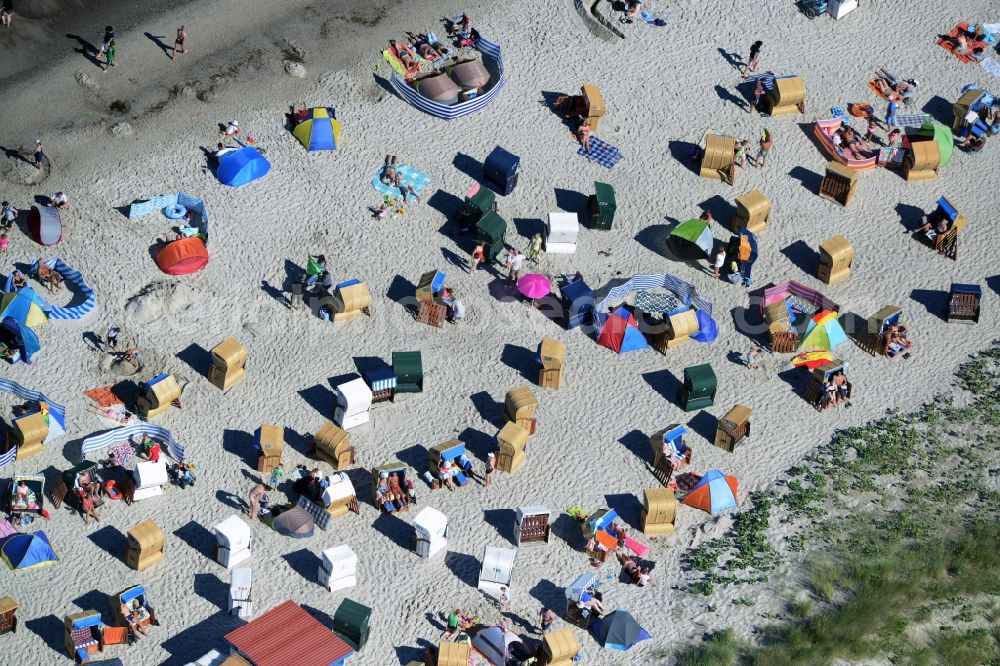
(407, 176)
(605, 155)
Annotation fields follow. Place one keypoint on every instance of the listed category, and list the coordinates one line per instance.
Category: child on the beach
(3, 242)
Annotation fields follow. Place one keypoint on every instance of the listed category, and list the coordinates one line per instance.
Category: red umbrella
(534, 285)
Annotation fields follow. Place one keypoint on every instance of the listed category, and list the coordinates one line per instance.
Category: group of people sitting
(851, 144)
(895, 340)
(390, 176)
(985, 115)
(24, 498)
(455, 471)
(390, 494)
(836, 391)
(969, 43)
(420, 47)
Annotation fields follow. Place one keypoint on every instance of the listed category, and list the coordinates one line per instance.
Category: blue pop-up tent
(27, 551)
(242, 166)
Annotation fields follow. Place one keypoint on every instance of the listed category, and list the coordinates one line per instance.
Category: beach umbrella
(470, 74)
(618, 630)
(812, 359)
(942, 137)
(534, 285)
(691, 240)
(715, 492)
(823, 332)
(295, 522)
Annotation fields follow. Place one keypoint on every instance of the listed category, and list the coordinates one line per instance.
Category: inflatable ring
(111, 490)
(175, 212)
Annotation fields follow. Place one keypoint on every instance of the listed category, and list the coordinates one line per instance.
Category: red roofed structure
(287, 635)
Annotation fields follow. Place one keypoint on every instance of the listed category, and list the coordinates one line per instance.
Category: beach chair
(872, 340)
(512, 441)
(733, 428)
(947, 243)
(752, 211)
(83, 635)
(158, 395)
(839, 184)
(531, 525)
(601, 206)
(670, 452)
(970, 99)
(551, 357)
(964, 302)
(27, 434)
(659, 512)
(333, 445)
(820, 376)
(699, 388)
(351, 299)
(788, 95)
(922, 159)
(559, 648)
(229, 359)
(135, 598)
(519, 406)
(835, 257)
(8, 615)
(717, 158)
(270, 441)
(144, 545)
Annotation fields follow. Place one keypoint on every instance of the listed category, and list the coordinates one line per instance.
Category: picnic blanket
(407, 176)
(636, 547)
(911, 120)
(104, 396)
(991, 66)
(605, 155)
(648, 301)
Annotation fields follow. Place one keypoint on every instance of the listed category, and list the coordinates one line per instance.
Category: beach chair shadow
(211, 589)
(549, 595)
(628, 508)
(571, 201)
(464, 567)
(468, 165)
(663, 382)
(720, 208)
(549, 101)
(50, 629)
(681, 151)
(489, 409)
(403, 292)
(797, 380)
(303, 562)
(447, 204)
(202, 635)
(320, 398)
(939, 109)
(654, 238)
(198, 537)
(395, 529)
(933, 300)
(240, 444)
(528, 227)
(911, 217)
(993, 283)
(809, 179)
(415, 456)
(196, 357)
(478, 443)
(502, 520)
(801, 255)
(637, 442)
(110, 540)
(520, 359)
(385, 85)
(567, 529)
(703, 424)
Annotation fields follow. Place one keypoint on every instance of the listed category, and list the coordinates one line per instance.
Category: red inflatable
(183, 256)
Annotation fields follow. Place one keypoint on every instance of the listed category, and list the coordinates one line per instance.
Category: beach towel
(394, 62)
(991, 66)
(950, 46)
(636, 547)
(913, 120)
(104, 396)
(407, 176)
(605, 155)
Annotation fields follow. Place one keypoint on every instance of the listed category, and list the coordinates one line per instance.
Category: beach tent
(438, 87)
(708, 330)
(183, 256)
(496, 644)
(24, 307)
(295, 522)
(320, 130)
(620, 333)
(470, 74)
(715, 492)
(27, 551)
(691, 240)
(618, 630)
(20, 336)
(45, 225)
(242, 166)
(823, 332)
(942, 136)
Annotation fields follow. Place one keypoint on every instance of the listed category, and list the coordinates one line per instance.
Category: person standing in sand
(766, 141)
(751, 64)
(491, 464)
(39, 154)
(179, 42)
(7, 13)
(111, 51)
(478, 254)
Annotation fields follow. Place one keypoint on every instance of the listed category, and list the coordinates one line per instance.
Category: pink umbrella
(534, 285)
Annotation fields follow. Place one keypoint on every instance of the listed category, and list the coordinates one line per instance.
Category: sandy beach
(664, 87)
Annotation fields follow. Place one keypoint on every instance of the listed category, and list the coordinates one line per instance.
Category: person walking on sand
(7, 13)
(255, 496)
(109, 36)
(3, 241)
(491, 464)
(111, 51)
(515, 262)
(741, 153)
(39, 154)
(751, 64)
(111, 337)
(478, 254)
(890, 112)
(179, 42)
(766, 141)
(8, 214)
(87, 503)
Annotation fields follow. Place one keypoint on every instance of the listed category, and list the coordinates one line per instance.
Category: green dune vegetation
(891, 546)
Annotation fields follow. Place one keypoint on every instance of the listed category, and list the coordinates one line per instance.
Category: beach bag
(744, 248)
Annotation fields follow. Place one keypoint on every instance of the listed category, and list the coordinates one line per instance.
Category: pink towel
(635, 546)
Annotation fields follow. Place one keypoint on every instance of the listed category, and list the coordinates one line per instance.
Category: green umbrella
(942, 136)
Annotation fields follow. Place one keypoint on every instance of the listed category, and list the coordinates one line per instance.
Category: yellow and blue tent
(24, 307)
(320, 129)
(27, 551)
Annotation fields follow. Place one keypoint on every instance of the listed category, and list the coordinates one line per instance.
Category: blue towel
(600, 152)
(407, 176)
(914, 120)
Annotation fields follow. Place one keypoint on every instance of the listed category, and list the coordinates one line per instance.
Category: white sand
(660, 86)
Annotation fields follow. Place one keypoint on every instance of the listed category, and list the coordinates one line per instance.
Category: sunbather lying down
(891, 85)
(427, 46)
(964, 46)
